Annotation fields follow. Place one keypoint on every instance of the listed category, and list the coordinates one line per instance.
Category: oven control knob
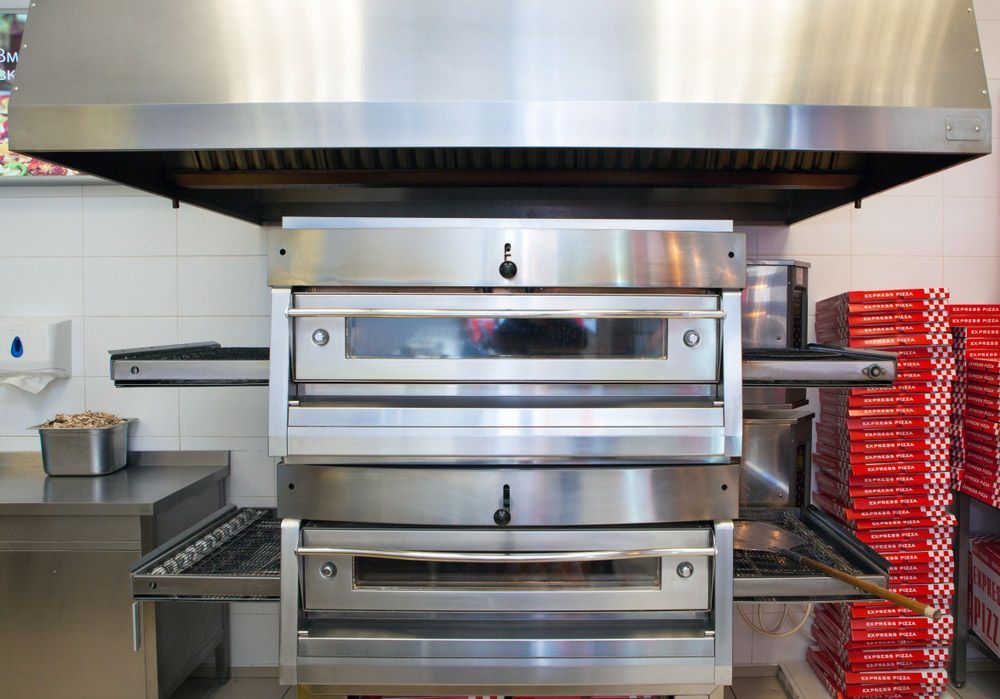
(685, 569)
(502, 517)
(328, 570)
(508, 269)
(692, 338)
(320, 337)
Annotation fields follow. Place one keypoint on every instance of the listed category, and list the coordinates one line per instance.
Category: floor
(981, 685)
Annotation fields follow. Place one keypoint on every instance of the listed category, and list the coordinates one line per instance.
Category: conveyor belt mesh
(766, 564)
(247, 545)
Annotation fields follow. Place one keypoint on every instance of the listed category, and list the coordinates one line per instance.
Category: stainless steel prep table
(66, 544)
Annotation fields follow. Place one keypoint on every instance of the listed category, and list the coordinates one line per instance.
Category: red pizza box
(982, 343)
(881, 457)
(921, 574)
(841, 491)
(883, 637)
(896, 317)
(943, 354)
(880, 658)
(850, 330)
(979, 377)
(892, 422)
(884, 547)
(934, 386)
(880, 295)
(973, 321)
(972, 444)
(824, 667)
(986, 497)
(974, 308)
(990, 427)
(929, 520)
(893, 306)
(891, 400)
(927, 375)
(933, 364)
(981, 482)
(891, 470)
(982, 354)
(973, 459)
(984, 331)
(979, 413)
(881, 446)
(987, 403)
(888, 341)
(984, 619)
(895, 503)
(986, 390)
(842, 616)
(933, 480)
(919, 410)
(984, 366)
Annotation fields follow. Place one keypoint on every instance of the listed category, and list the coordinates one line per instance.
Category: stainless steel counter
(66, 543)
(152, 482)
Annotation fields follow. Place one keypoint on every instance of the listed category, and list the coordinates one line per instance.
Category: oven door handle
(491, 557)
(492, 313)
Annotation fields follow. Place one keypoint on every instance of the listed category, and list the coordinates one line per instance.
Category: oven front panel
(502, 338)
(532, 495)
(506, 571)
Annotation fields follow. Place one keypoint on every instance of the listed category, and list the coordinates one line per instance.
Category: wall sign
(13, 164)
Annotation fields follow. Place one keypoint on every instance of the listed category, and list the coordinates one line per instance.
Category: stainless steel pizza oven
(511, 453)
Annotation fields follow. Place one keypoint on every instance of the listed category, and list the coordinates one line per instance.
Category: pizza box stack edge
(976, 400)
(882, 468)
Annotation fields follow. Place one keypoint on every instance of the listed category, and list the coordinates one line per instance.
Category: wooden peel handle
(902, 600)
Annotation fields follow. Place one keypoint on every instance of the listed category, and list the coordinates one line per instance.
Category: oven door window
(496, 338)
(388, 574)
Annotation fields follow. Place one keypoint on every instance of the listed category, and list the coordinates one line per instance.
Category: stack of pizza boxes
(976, 400)
(882, 468)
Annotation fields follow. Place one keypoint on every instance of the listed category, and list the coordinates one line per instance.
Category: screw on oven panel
(685, 569)
(328, 570)
(873, 372)
(692, 338)
(320, 337)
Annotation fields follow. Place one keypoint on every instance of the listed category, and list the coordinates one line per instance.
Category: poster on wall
(13, 164)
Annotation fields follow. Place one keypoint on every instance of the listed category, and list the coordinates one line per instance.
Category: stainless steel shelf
(196, 364)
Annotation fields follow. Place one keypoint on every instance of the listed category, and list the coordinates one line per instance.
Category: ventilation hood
(754, 110)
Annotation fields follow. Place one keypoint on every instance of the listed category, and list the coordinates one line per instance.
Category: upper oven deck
(539, 254)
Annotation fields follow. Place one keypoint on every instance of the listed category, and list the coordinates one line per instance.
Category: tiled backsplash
(132, 271)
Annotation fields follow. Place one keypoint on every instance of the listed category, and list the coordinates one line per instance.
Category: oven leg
(222, 656)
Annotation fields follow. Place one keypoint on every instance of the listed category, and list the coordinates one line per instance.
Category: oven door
(510, 571)
(505, 338)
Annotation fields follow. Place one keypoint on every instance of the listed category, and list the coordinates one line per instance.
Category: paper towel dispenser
(34, 352)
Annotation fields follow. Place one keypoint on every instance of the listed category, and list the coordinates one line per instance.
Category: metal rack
(762, 576)
(958, 671)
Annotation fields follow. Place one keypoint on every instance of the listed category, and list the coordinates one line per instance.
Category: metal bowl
(84, 451)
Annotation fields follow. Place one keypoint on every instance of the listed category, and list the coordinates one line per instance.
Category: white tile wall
(129, 226)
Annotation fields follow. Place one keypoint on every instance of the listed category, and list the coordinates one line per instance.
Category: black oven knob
(502, 517)
(508, 269)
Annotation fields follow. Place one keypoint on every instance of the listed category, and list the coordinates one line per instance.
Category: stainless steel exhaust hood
(756, 110)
